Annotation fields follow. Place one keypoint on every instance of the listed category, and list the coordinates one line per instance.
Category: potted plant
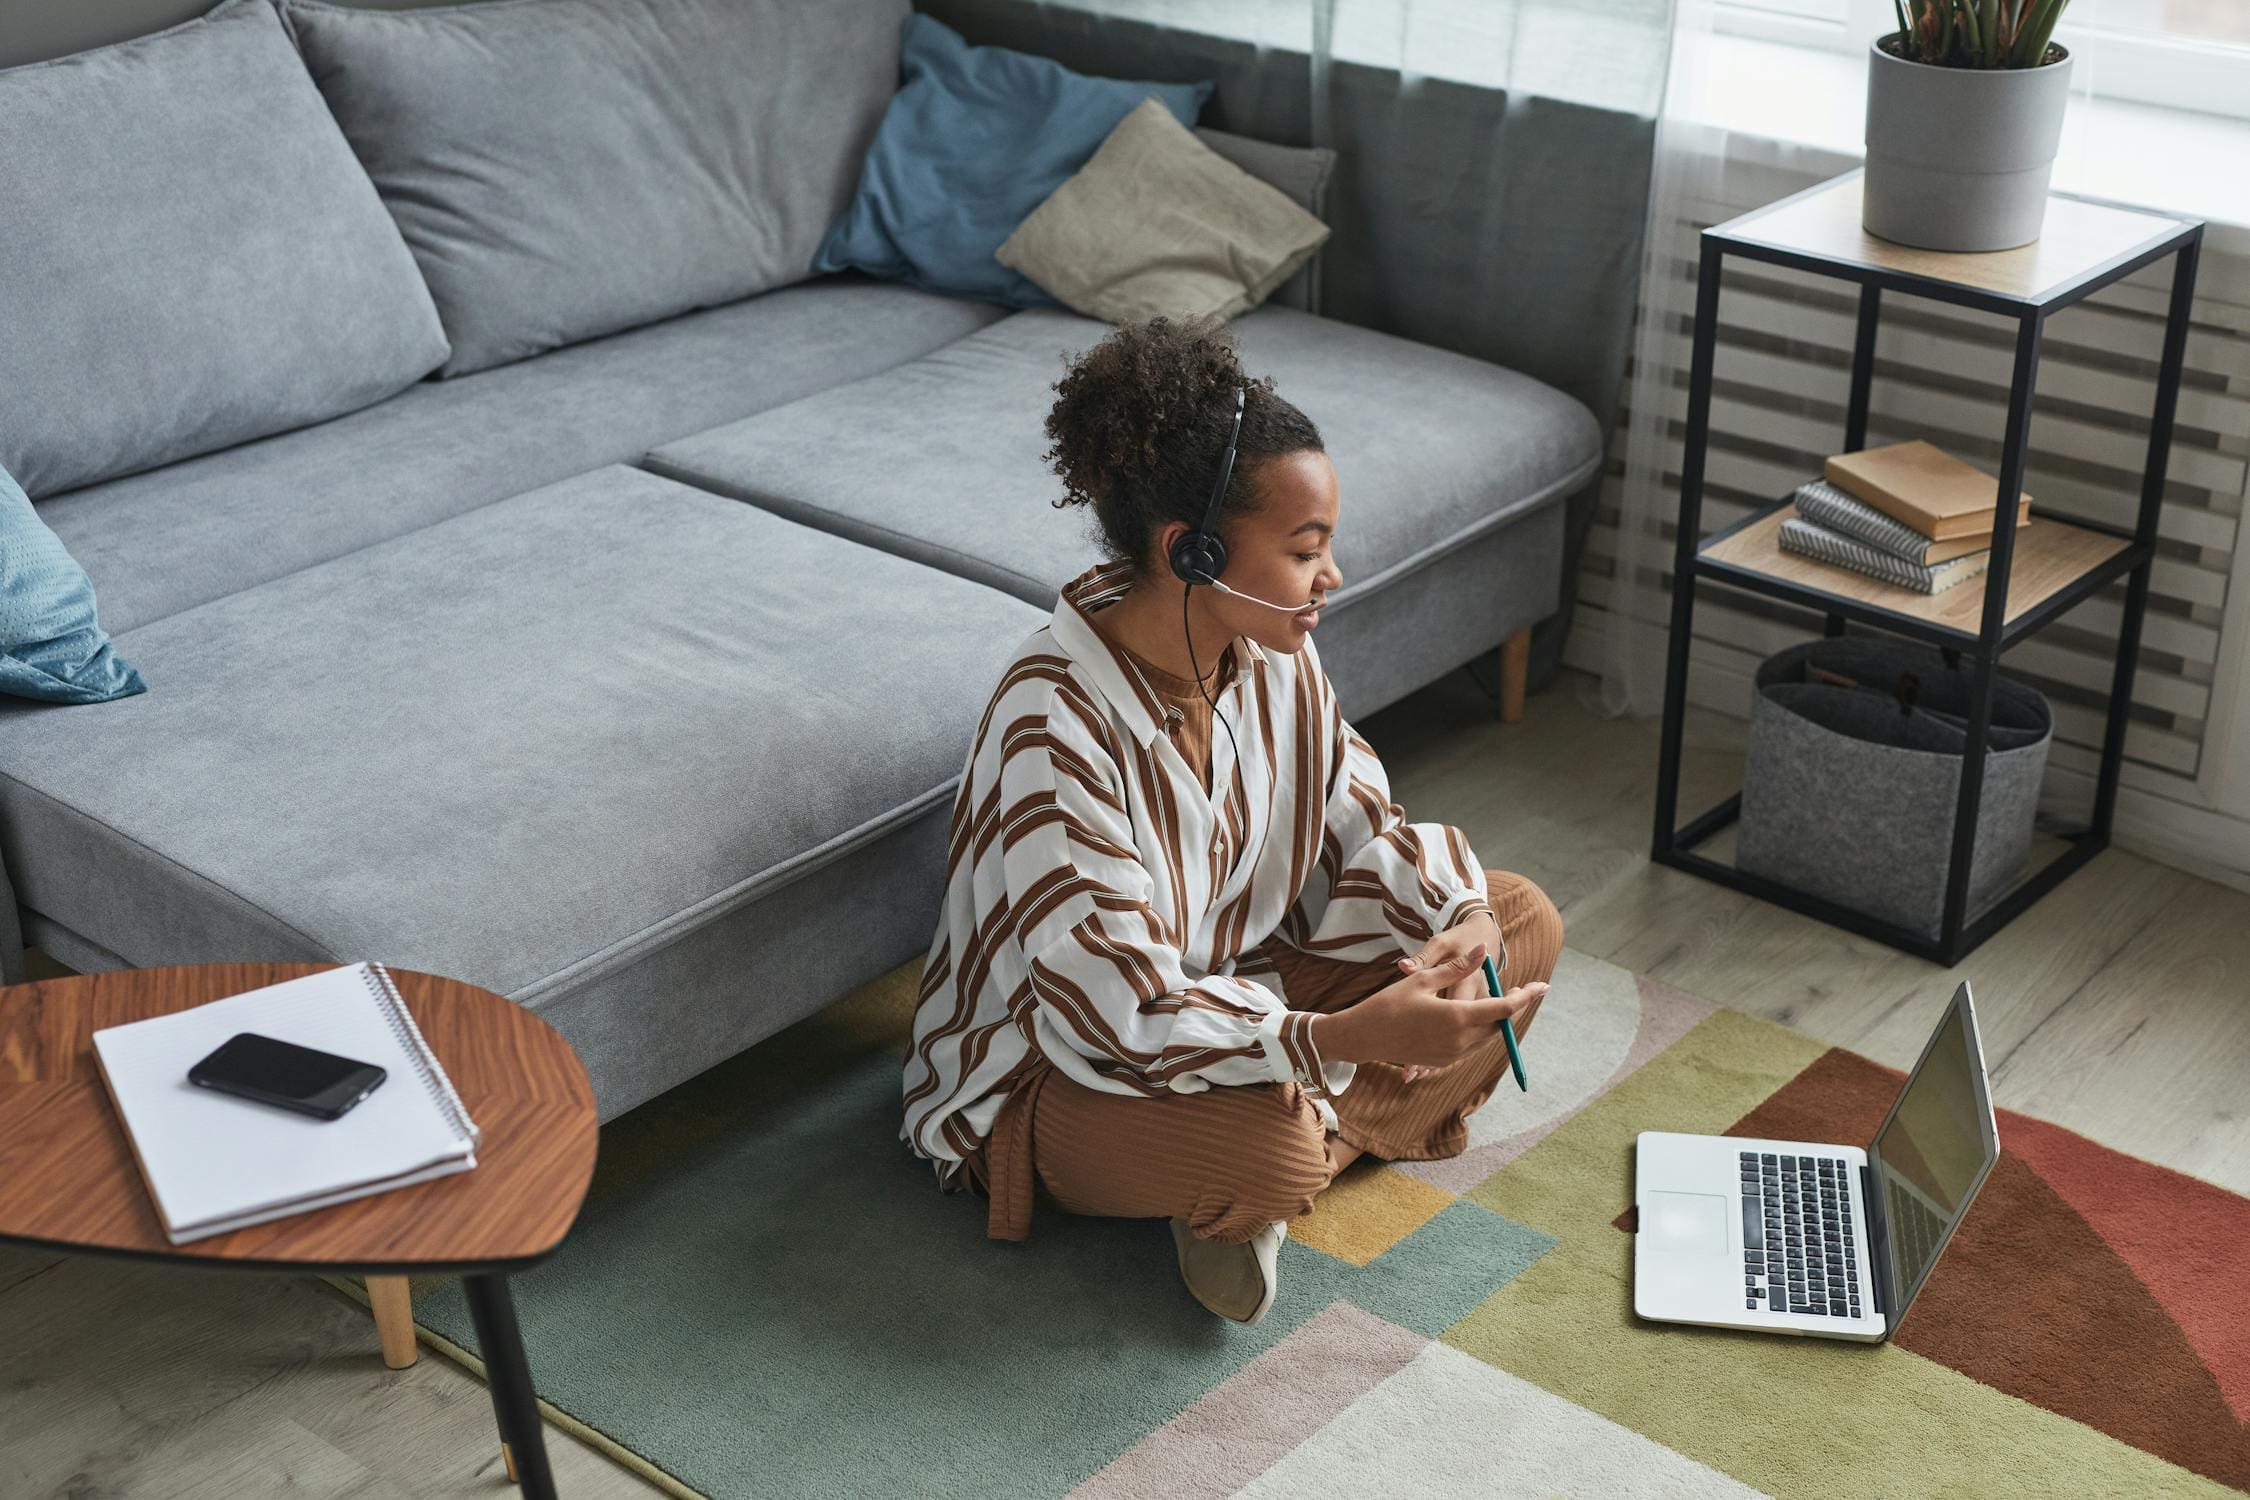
(1964, 110)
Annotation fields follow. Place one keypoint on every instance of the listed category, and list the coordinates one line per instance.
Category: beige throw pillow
(1155, 223)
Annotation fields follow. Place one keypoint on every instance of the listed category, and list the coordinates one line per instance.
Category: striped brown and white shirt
(1098, 898)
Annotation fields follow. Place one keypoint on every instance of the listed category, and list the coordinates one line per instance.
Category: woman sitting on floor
(1182, 979)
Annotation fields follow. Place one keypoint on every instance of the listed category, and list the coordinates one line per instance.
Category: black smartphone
(272, 1071)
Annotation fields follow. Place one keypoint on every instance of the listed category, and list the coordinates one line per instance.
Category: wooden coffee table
(68, 1180)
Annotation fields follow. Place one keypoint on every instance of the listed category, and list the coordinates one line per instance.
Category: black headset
(1199, 556)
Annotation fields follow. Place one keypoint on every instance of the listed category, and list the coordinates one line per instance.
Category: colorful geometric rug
(766, 1295)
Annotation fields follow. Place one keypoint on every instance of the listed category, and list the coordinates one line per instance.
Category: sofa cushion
(1301, 174)
(567, 168)
(189, 255)
(1158, 224)
(974, 140)
(162, 542)
(522, 747)
(52, 645)
(940, 459)
(646, 1019)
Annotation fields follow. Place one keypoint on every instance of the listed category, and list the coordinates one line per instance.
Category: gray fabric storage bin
(1849, 792)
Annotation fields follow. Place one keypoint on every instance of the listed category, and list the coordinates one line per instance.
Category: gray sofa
(633, 679)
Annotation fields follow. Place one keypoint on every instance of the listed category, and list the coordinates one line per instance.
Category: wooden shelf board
(2075, 237)
(2050, 555)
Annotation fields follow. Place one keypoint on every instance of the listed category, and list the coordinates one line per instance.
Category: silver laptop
(1808, 1237)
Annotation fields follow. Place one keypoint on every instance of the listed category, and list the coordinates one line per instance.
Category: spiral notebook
(214, 1162)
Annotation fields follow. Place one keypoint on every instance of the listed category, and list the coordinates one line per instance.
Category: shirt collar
(1102, 585)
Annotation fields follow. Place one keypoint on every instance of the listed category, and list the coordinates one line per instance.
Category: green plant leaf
(2039, 25)
(1971, 38)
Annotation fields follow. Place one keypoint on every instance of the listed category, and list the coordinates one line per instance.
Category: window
(1811, 23)
(2186, 54)
(2224, 21)
(2191, 54)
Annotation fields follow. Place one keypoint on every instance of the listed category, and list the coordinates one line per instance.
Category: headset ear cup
(1198, 557)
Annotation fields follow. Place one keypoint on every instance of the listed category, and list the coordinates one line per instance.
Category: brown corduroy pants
(1232, 1160)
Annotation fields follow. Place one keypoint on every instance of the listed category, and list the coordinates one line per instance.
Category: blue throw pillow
(50, 647)
(974, 140)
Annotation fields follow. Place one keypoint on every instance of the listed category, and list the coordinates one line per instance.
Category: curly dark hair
(1140, 425)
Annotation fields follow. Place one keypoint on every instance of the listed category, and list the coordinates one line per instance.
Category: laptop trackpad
(1685, 1221)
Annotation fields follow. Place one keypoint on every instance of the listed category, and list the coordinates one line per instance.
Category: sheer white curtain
(1687, 169)
(1491, 188)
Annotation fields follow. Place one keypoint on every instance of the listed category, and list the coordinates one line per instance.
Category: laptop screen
(1934, 1150)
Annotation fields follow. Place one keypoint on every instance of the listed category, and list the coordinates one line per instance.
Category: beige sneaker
(1234, 1281)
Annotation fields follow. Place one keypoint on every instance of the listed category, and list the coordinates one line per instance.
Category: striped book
(1804, 538)
(1834, 509)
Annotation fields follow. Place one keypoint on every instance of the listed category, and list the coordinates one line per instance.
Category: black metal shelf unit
(1676, 846)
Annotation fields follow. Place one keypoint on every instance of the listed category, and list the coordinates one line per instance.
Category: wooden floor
(2117, 1006)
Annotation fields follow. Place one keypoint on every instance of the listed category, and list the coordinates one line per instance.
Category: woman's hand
(1411, 1022)
(1443, 946)
(1463, 935)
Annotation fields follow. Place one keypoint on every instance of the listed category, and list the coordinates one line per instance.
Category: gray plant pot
(1849, 795)
(1959, 158)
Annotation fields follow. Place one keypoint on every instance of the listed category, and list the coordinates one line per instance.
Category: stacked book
(1908, 513)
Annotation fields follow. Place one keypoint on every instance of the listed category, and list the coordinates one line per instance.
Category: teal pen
(1507, 1027)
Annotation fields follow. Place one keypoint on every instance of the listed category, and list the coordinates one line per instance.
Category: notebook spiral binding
(440, 1087)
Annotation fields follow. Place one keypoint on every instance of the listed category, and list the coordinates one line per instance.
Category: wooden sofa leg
(1515, 666)
(394, 1319)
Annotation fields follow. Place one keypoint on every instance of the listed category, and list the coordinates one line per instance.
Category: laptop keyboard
(1798, 1251)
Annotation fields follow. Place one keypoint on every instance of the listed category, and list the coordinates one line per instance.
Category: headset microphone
(1294, 609)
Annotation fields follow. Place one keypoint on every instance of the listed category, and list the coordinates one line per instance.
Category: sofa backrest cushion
(564, 169)
(190, 257)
